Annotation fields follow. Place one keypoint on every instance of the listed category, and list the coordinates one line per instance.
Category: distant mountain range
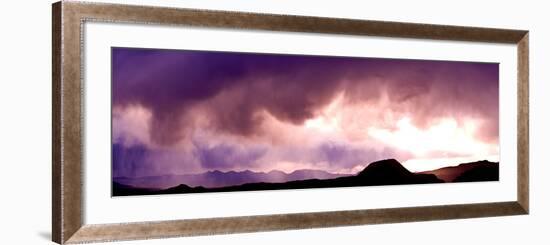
(384, 172)
(213, 179)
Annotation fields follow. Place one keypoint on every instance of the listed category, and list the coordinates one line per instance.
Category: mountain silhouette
(391, 172)
(481, 171)
(128, 190)
(384, 172)
(484, 172)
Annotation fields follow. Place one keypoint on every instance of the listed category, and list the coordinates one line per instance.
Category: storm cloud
(229, 109)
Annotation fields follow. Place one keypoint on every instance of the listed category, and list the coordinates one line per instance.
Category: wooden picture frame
(67, 197)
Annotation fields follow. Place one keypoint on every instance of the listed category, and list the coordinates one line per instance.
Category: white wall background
(25, 122)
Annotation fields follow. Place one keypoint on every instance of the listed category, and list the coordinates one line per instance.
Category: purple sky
(177, 112)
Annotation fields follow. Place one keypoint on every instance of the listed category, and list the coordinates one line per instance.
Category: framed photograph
(179, 122)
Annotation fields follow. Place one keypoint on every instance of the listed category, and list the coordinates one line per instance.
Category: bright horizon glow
(446, 135)
(420, 165)
(443, 136)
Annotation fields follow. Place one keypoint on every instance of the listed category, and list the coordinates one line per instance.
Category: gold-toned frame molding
(68, 19)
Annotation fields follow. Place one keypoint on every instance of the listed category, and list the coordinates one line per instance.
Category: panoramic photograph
(193, 121)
